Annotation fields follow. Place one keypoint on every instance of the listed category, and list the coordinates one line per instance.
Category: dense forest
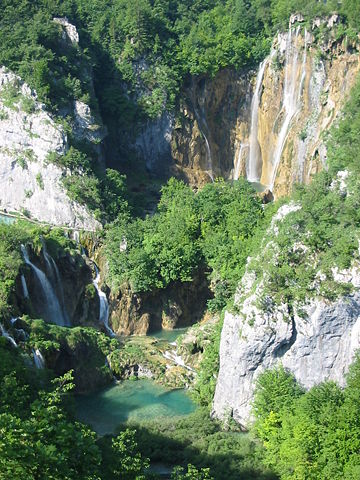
(132, 63)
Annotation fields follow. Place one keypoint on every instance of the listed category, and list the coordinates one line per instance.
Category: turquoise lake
(131, 401)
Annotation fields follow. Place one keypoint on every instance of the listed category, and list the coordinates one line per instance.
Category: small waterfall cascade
(54, 275)
(177, 359)
(39, 360)
(253, 171)
(291, 100)
(236, 174)
(5, 334)
(24, 287)
(51, 308)
(104, 305)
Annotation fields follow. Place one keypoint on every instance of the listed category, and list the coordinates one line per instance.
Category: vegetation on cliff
(314, 434)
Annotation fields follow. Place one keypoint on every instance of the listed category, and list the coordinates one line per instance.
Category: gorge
(179, 237)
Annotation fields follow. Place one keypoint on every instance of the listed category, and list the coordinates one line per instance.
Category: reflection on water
(131, 401)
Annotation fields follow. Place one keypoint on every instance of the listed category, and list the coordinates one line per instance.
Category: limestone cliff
(268, 124)
(315, 339)
(29, 182)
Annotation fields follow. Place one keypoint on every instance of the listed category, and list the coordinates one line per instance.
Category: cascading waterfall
(177, 359)
(291, 99)
(54, 274)
(104, 305)
(39, 360)
(51, 307)
(254, 161)
(5, 334)
(24, 287)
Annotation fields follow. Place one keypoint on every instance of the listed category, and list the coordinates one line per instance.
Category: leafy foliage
(309, 435)
(187, 230)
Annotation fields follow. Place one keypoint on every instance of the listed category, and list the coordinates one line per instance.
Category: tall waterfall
(38, 359)
(202, 120)
(253, 171)
(291, 97)
(54, 275)
(51, 309)
(104, 305)
(5, 334)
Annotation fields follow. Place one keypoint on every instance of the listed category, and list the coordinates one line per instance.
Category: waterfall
(237, 168)
(291, 99)
(51, 307)
(302, 143)
(24, 287)
(54, 274)
(104, 305)
(254, 162)
(38, 359)
(201, 119)
(5, 334)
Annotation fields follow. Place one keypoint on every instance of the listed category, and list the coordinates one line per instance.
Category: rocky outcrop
(316, 340)
(179, 305)
(29, 182)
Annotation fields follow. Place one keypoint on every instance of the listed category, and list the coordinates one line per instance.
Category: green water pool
(131, 401)
(169, 335)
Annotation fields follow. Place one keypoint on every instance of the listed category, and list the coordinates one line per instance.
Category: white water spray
(39, 360)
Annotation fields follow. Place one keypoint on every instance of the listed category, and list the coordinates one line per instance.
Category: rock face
(316, 341)
(29, 183)
(265, 125)
(179, 305)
